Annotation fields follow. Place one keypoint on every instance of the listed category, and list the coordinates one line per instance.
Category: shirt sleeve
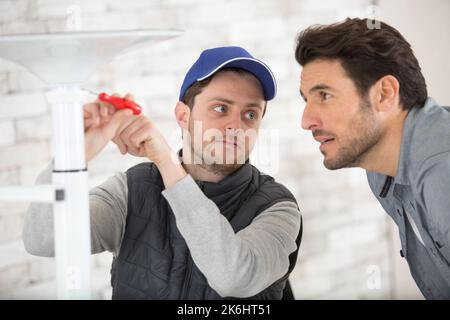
(108, 209)
(238, 264)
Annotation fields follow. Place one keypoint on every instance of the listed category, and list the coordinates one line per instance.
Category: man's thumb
(116, 120)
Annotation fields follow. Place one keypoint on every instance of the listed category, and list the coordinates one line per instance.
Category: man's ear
(387, 94)
(182, 114)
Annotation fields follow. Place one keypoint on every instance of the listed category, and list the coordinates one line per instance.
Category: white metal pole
(71, 216)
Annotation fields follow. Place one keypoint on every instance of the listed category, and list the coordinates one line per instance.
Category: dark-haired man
(367, 106)
(203, 224)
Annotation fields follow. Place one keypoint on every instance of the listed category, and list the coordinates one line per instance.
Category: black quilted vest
(154, 261)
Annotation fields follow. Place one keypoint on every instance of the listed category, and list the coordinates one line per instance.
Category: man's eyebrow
(222, 100)
(319, 87)
(254, 105)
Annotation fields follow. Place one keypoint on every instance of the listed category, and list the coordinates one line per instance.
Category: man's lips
(323, 139)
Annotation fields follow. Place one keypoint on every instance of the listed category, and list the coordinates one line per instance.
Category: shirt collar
(402, 176)
(404, 162)
(404, 165)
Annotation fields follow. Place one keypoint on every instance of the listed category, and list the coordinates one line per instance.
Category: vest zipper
(187, 279)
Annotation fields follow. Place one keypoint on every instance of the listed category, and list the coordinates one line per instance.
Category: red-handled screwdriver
(119, 103)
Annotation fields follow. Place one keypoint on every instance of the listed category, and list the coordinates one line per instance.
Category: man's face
(338, 117)
(225, 121)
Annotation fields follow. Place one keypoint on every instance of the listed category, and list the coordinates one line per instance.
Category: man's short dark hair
(366, 54)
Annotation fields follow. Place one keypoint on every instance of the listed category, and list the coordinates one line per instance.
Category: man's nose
(310, 119)
(234, 121)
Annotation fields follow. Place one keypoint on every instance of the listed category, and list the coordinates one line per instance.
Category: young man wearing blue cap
(200, 224)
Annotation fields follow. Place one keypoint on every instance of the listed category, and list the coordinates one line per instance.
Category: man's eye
(251, 115)
(220, 109)
(324, 96)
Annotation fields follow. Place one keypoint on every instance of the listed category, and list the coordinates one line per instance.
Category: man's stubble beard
(355, 152)
(222, 169)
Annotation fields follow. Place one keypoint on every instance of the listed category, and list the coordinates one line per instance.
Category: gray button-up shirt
(418, 197)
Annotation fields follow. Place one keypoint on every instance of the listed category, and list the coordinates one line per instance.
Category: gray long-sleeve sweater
(235, 264)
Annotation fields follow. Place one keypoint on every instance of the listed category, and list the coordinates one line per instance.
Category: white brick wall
(7, 133)
(345, 229)
(22, 104)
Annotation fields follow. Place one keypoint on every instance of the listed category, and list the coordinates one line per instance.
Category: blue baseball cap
(212, 60)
